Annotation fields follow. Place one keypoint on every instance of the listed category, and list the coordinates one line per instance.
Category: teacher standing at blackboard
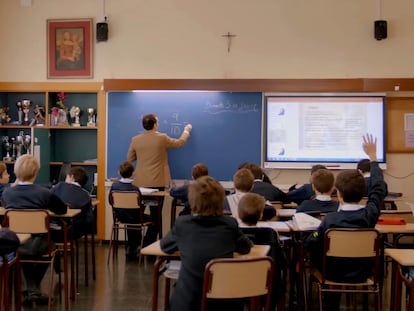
(149, 149)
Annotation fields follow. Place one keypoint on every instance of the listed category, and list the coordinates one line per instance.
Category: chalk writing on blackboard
(229, 106)
(176, 126)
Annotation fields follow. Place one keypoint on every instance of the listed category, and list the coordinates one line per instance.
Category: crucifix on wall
(229, 36)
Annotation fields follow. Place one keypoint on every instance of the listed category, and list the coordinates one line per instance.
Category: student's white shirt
(323, 197)
(350, 207)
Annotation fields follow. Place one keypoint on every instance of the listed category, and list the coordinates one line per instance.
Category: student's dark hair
(79, 175)
(243, 180)
(243, 165)
(250, 208)
(364, 165)
(198, 170)
(316, 167)
(126, 169)
(148, 121)
(255, 169)
(206, 196)
(323, 180)
(350, 185)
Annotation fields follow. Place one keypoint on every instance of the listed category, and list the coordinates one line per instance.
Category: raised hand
(370, 146)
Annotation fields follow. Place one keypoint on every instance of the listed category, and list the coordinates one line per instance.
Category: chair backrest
(346, 242)
(27, 221)
(125, 199)
(238, 278)
(353, 243)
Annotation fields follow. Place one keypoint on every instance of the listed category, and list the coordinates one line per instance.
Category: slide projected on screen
(304, 130)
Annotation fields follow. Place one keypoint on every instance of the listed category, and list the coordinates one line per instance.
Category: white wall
(183, 39)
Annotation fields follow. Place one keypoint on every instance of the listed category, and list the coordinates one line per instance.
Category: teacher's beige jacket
(149, 149)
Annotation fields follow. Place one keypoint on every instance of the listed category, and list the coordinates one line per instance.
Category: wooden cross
(229, 36)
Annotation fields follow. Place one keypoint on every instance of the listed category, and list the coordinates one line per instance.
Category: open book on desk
(147, 190)
(305, 222)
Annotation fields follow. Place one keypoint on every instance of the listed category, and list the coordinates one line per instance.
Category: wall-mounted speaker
(380, 29)
(101, 32)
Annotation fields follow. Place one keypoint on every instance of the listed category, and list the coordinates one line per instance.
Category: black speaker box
(101, 32)
(380, 29)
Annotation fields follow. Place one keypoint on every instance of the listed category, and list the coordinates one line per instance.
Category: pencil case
(390, 221)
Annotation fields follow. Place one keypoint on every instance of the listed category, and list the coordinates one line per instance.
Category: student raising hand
(370, 146)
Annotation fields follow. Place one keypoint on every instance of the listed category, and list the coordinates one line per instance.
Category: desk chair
(176, 205)
(347, 243)
(10, 274)
(125, 200)
(238, 278)
(10, 270)
(268, 236)
(34, 222)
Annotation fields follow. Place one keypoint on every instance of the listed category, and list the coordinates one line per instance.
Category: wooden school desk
(159, 197)
(154, 249)
(400, 257)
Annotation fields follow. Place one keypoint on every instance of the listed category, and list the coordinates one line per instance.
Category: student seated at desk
(323, 182)
(4, 178)
(250, 211)
(305, 192)
(268, 191)
(243, 181)
(26, 195)
(72, 192)
(364, 167)
(181, 193)
(204, 235)
(132, 216)
(350, 187)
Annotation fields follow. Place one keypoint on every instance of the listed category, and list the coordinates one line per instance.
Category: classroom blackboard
(226, 128)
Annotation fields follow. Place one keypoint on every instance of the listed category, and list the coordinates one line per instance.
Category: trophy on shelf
(26, 110)
(40, 114)
(13, 146)
(26, 143)
(6, 146)
(74, 114)
(19, 112)
(19, 144)
(91, 117)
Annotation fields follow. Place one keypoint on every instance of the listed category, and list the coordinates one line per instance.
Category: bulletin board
(397, 108)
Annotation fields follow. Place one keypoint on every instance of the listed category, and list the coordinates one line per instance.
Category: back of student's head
(198, 170)
(323, 180)
(364, 165)
(243, 180)
(316, 167)
(255, 169)
(250, 208)
(26, 168)
(206, 196)
(126, 169)
(148, 121)
(79, 175)
(243, 165)
(350, 185)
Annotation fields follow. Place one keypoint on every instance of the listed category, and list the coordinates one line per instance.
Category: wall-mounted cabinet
(33, 119)
(57, 127)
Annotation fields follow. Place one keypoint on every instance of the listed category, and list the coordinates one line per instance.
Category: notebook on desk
(305, 222)
(147, 190)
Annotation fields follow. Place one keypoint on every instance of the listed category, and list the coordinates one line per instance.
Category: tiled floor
(127, 286)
